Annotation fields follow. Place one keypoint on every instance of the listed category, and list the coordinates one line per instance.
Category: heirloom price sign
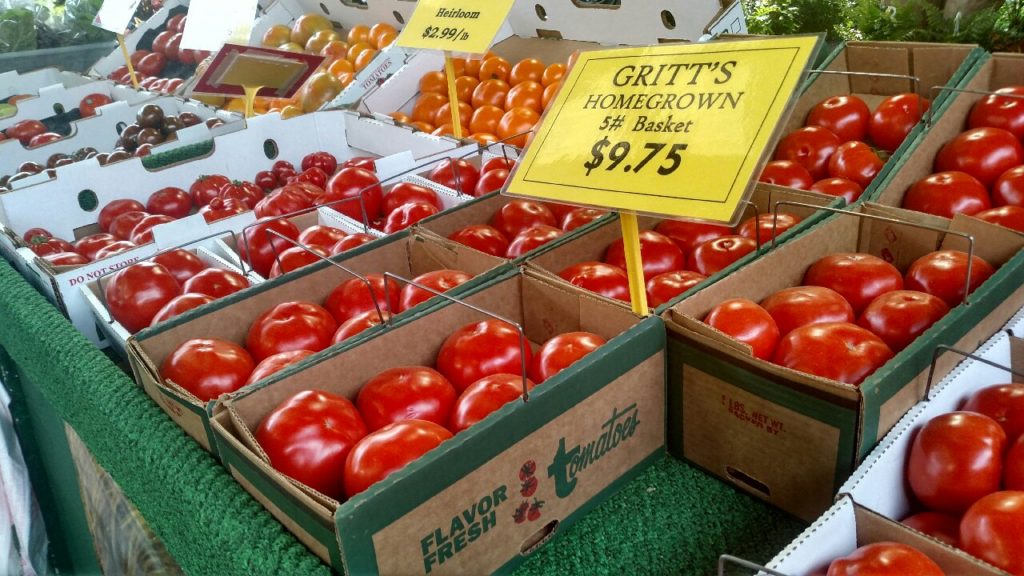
(671, 130)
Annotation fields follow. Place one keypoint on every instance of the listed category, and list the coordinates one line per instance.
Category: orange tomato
(552, 74)
(307, 25)
(379, 29)
(444, 130)
(485, 119)
(335, 49)
(526, 70)
(290, 112)
(365, 57)
(424, 126)
(341, 66)
(464, 86)
(459, 64)
(359, 34)
(496, 68)
(483, 138)
(276, 35)
(549, 94)
(444, 114)
(527, 93)
(434, 82)
(516, 124)
(320, 39)
(385, 40)
(401, 117)
(354, 50)
(292, 47)
(473, 67)
(346, 78)
(490, 92)
(426, 107)
(320, 89)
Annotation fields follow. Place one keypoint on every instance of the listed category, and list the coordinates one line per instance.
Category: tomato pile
(830, 153)
(340, 448)
(496, 99)
(166, 64)
(853, 313)
(966, 470)
(980, 172)
(885, 558)
(33, 133)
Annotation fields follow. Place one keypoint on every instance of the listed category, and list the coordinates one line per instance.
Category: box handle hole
(538, 538)
(270, 149)
(749, 481)
(541, 12)
(87, 200)
(668, 19)
(398, 16)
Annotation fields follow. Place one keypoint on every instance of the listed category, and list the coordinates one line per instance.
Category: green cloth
(671, 519)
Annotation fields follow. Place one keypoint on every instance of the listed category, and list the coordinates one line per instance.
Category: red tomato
(944, 527)
(1000, 110)
(175, 23)
(457, 174)
(803, 305)
(838, 351)
(665, 287)
(657, 251)
(388, 450)
(258, 245)
(182, 264)
(846, 116)
(894, 118)
(283, 170)
(321, 237)
(206, 188)
(43, 247)
(88, 105)
(480, 349)
(562, 351)
(531, 239)
(786, 173)
(490, 181)
(1008, 189)
(114, 248)
(351, 241)
(482, 237)
(1013, 467)
(578, 217)
(408, 214)
(688, 235)
(314, 176)
(406, 393)
(364, 162)
(208, 367)
(215, 282)
(485, 396)
(283, 202)
(499, 163)
(993, 529)
(36, 235)
(143, 231)
(296, 257)
(173, 49)
(984, 153)
(956, 458)
(846, 189)
(1011, 217)
(308, 438)
(439, 280)
(747, 322)
(218, 209)
(519, 215)
(357, 183)
(714, 256)
(115, 208)
(1003, 403)
(766, 224)
(353, 296)
(267, 180)
(944, 274)
(605, 279)
(44, 138)
(810, 147)
(92, 244)
(179, 305)
(883, 558)
(247, 193)
(152, 64)
(65, 259)
(290, 326)
(322, 160)
(855, 161)
(135, 294)
(858, 277)
(900, 316)
(406, 192)
(946, 194)
(170, 201)
(25, 130)
(358, 323)
(161, 40)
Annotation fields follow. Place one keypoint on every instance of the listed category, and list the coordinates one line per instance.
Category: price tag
(675, 130)
(212, 23)
(463, 26)
(115, 15)
(278, 73)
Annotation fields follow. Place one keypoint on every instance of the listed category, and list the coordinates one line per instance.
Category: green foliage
(798, 16)
(1008, 27)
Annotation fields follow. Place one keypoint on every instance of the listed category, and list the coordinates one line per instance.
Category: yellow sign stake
(128, 60)
(453, 95)
(634, 262)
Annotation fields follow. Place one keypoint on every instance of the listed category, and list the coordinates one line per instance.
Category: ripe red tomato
(457, 174)
(1000, 110)
(135, 294)
(296, 257)
(247, 193)
(894, 118)
(322, 160)
(182, 264)
(143, 231)
(90, 245)
(33, 235)
(43, 247)
(855, 161)
(1013, 467)
(161, 40)
(258, 245)
(883, 558)
(208, 367)
(170, 201)
(1011, 217)
(605, 279)
(480, 349)
(152, 64)
(321, 236)
(804, 305)
(65, 259)
(498, 163)
(360, 322)
(388, 450)
(351, 241)
(846, 189)
(857, 277)
(846, 116)
(206, 188)
(489, 182)
(173, 48)
(665, 287)
(283, 202)
(810, 147)
(1003, 403)
(946, 194)
(838, 351)
(786, 173)
(88, 105)
(218, 209)
(408, 214)
(25, 130)
(944, 274)
(984, 153)
(44, 138)
(1008, 189)
(266, 180)
(364, 162)
(519, 215)
(283, 170)
(355, 183)
(114, 248)
(406, 192)
(406, 393)
(747, 322)
(314, 176)
(482, 237)
(439, 280)
(993, 529)
(290, 326)
(657, 251)
(900, 316)
(179, 305)
(560, 352)
(944, 527)
(765, 224)
(115, 208)
(531, 239)
(578, 217)
(215, 282)
(353, 296)
(308, 438)
(485, 396)
(688, 235)
(714, 256)
(956, 458)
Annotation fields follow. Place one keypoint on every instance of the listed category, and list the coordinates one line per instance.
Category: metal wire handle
(914, 79)
(890, 220)
(943, 348)
(929, 114)
(726, 559)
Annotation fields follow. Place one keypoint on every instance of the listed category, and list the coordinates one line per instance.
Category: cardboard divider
(59, 98)
(616, 393)
(792, 438)
(14, 83)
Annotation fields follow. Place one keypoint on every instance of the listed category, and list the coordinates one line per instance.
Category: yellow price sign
(675, 130)
(464, 26)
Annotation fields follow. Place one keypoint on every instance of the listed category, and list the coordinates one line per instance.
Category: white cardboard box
(12, 82)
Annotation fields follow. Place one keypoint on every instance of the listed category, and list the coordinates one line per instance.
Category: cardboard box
(142, 35)
(407, 255)
(791, 438)
(60, 98)
(848, 525)
(592, 427)
(13, 83)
